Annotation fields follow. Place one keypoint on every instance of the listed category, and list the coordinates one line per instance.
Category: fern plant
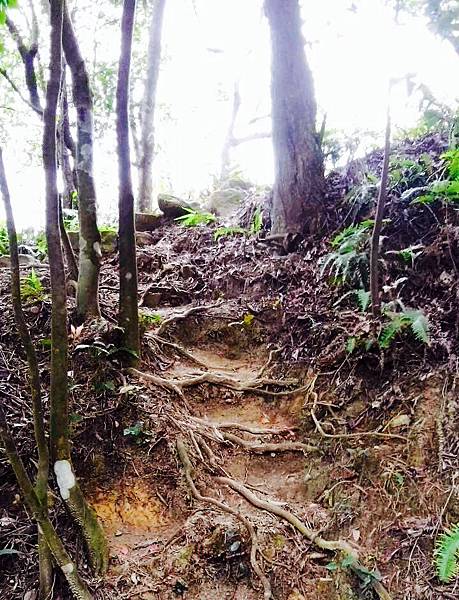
(446, 555)
(349, 260)
(412, 319)
(257, 222)
(31, 287)
(4, 241)
(193, 218)
(226, 231)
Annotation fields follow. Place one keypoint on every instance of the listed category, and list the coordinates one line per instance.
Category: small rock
(171, 206)
(25, 260)
(152, 300)
(147, 221)
(143, 238)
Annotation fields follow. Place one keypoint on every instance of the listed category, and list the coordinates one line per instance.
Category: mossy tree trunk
(128, 310)
(90, 249)
(59, 422)
(147, 144)
(299, 172)
(41, 484)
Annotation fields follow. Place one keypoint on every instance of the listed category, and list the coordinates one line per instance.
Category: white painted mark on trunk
(65, 477)
(97, 249)
(67, 569)
(128, 276)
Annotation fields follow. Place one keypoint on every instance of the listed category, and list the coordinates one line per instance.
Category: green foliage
(194, 218)
(4, 4)
(31, 287)
(444, 189)
(349, 261)
(107, 229)
(4, 241)
(226, 231)
(363, 299)
(41, 245)
(257, 222)
(99, 349)
(408, 254)
(413, 319)
(405, 173)
(446, 555)
(135, 430)
(146, 320)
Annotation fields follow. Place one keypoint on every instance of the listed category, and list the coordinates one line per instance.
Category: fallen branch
(188, 469)
(313, 536)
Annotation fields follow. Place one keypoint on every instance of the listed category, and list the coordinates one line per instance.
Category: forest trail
(166, 542)
(141, 524)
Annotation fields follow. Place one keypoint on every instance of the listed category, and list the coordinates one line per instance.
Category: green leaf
(134, 430)
(446, 555)
(351, 345)
(363, 298)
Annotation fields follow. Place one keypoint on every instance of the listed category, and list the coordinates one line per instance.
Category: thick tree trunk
(148, 108)
(90, 249)
(41, 485)
(299, 174)
(59, 422)
(128, 310)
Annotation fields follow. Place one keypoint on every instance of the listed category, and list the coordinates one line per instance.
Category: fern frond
(446, 555)
(363, 299)
(389, 332)
(419, 325)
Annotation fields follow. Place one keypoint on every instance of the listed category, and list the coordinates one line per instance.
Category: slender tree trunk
(90, 249)
(41, 485)
(299, 173)
(229, 140)
(128, 309)
(59, 422)
(148, 107)
(375, 239)
(39, 513)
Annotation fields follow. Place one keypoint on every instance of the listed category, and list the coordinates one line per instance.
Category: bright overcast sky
(209, 44)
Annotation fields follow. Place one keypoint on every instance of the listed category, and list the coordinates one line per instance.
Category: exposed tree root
(242, 427)
(340, 436)
(188, 469)
(177, 347)
(313, 536)
(261, 448)
(253, 385)
(185, 314)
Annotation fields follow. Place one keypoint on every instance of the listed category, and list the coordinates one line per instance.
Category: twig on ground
(265, 448)
(161, 341)
(188, 469)
(246, 428)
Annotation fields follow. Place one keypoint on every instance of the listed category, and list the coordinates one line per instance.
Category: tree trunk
(148, 108)
(59, 422)
(299, 174)
(41, 485)
(128, 311)
(375, 239)
(39, 513)
(90, 250)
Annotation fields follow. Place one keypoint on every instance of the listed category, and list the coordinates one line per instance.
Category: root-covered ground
(251, 453)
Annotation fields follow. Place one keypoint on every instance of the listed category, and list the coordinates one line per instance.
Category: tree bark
(299, 173)
(39, 513)
(90, 249)
(148, 108)
(128, 310)
(41, 484)
(375, 239)
(59, 422)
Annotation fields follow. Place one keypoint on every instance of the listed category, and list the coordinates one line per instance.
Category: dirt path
(202, 536)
